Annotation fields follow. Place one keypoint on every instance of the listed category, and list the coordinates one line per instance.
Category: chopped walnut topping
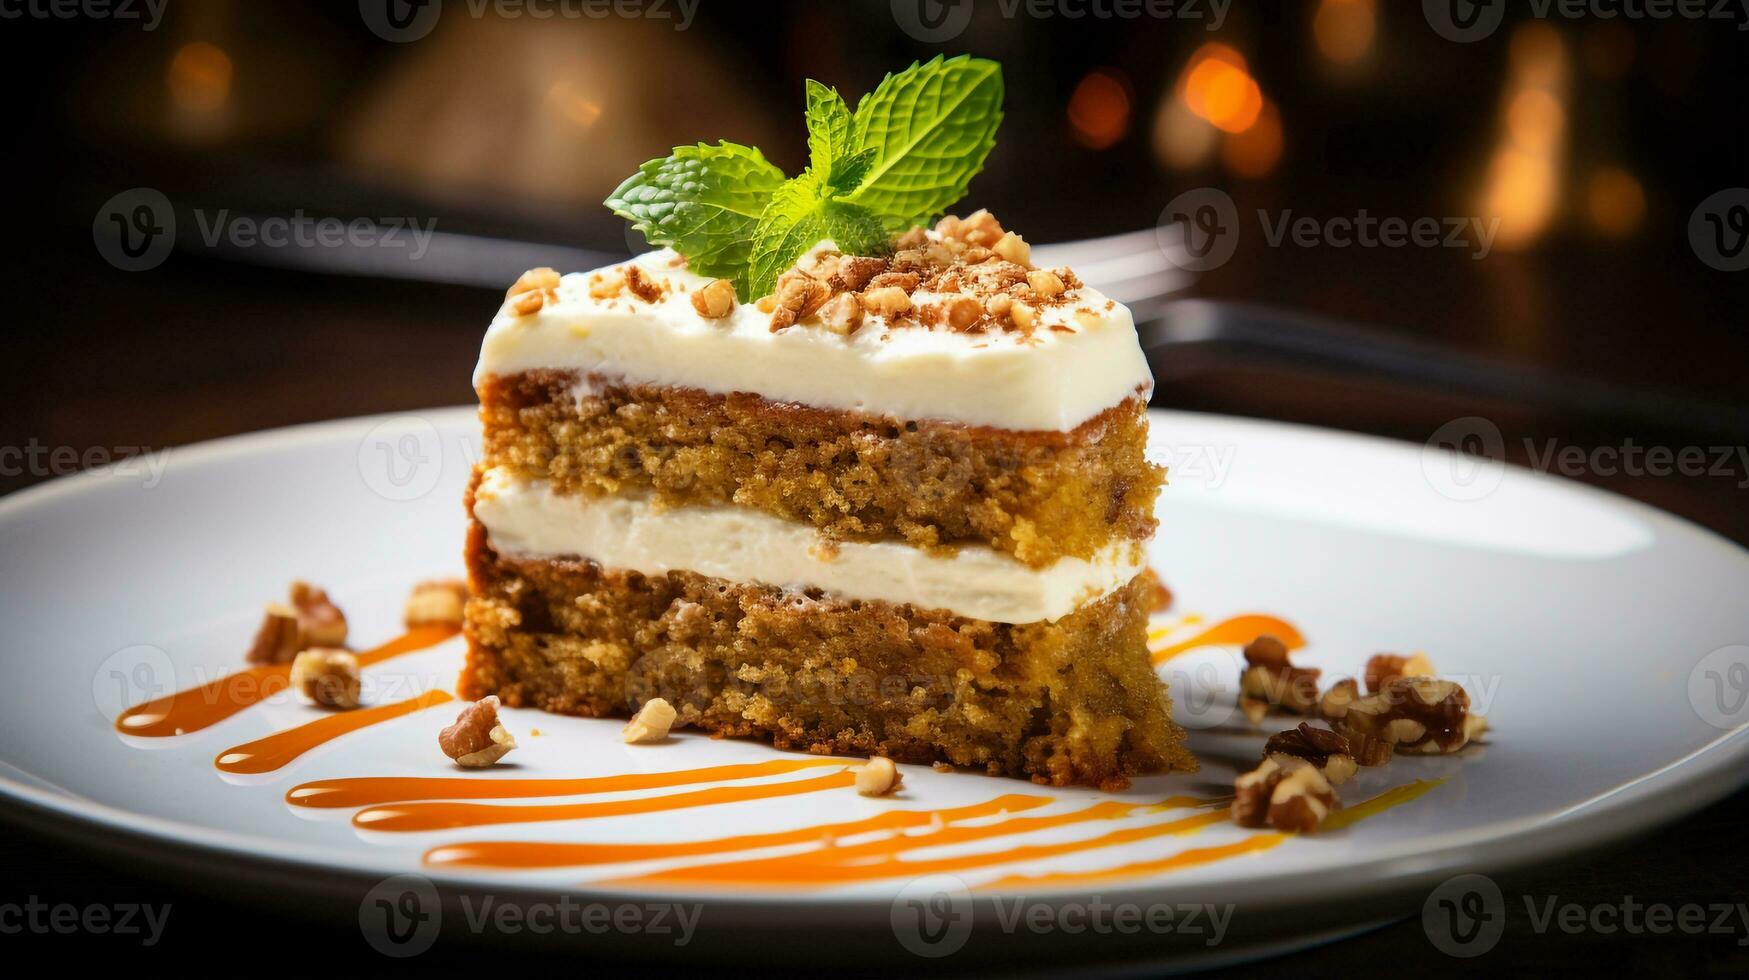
(642, 286)
(436, 603)
(278, 639)
(1418, 715)
(978, 228)
(607, 285)
(321, 621)
(1334, 704)
(887, 301)
(530, 303)
(1386, 667)
(798, 296)
(880, 777)
(1014, 249)
(1323, 748)
(1288, 794)
(477, 739)
(855, 272)
(906, 282)
(534, 280)
(961, 312)
(1024, 316)
(328, 677)
(915, 238)
(1045, 283)
(650, 724)
(1271, 682)
(842, 314)
(715, 299)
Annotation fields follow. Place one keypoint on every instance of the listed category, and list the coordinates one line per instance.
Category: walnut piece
(798, 297)
(438, 602)
(534, 280)
(321, 621)
(278, 639)
(1270, 682)
(328, 677)
(854, 273)
(1334, 704)
(879, 777)
(842, 314)
(1013, 248)
(1045, 283)
(1326, 750)
(1285, 793)
(715, 299)
(477, 739)
(1418, 715)
(887, 301)
(650, 724)
(641, 285)
(1386, 667)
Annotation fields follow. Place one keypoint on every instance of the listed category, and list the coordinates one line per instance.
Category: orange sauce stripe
(1238, 630)
(208, 704)
(547, 854)
(1394, 797)
(370, 790)
(410, 817)
(882, 858)
(274, 751)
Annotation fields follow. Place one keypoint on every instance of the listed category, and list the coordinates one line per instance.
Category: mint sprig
(902, 159)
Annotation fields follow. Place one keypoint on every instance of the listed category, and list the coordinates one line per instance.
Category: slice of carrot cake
(896, 504)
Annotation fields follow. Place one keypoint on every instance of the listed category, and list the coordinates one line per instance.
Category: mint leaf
(828, 128)
(931, 126)
(702, 201)
(799, 217)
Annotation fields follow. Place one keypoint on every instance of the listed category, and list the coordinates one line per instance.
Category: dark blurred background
(1602, 151)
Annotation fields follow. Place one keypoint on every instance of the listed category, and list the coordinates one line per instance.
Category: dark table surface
(199, 349)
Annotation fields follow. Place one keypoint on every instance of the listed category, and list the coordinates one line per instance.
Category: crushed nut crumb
(642, 286)
(1386, 667)
(534, 280)
(1289, 795)
(650, 724)
(321, 621)
(1323, 748)
(879, 777)
(715, 299)
(1270, 682)
(1418, 715)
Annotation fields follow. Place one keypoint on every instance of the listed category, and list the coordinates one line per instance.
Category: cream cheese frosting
(1082, 359)
(527, 518)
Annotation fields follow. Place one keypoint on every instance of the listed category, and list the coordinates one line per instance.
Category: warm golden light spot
(1254, 152)
(1537, 54)
(200, 77)
(1344, 29)
(1224, 94)
(1099, 110)
(1182, 139)
(571, 105)
(1534, 120)
(1616, 202)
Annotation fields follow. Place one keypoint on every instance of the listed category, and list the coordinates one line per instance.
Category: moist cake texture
(898, 506)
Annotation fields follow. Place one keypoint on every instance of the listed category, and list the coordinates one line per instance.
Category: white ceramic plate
(1603, 639)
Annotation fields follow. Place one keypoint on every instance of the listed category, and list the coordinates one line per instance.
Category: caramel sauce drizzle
(366, 791)
(274, 751)
(411, 817)
(195, 708)
(540, 854)
(1238, 630)
(882, 858)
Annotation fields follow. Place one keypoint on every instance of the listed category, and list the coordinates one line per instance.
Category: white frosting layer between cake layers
(1054, 380)
(526, 518)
